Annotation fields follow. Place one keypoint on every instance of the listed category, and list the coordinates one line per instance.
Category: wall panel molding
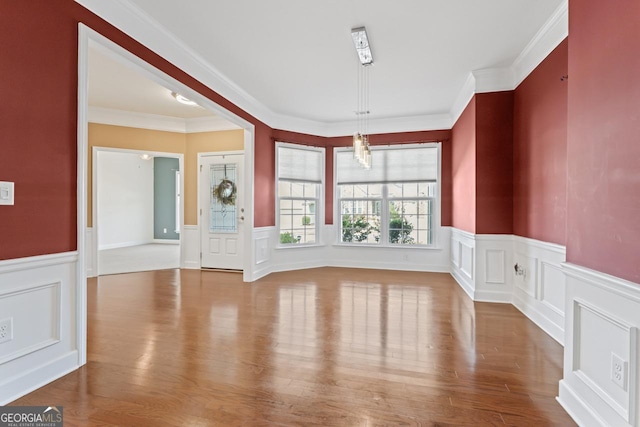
(602, 320)
(191, 249)
(38, 294)
(538, 293)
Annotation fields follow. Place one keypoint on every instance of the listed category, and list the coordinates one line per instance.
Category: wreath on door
(226, 192)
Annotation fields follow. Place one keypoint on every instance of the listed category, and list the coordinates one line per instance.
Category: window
(300, 173)
(392, 204)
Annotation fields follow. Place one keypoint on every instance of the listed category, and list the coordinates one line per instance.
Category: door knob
(242, 218)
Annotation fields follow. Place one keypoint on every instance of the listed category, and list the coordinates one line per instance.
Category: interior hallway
(154, 256)
(326, 347)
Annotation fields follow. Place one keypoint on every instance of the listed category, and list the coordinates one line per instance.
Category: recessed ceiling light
(146, 156)
(182, 99)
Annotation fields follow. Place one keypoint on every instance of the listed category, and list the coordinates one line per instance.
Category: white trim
(548, 37)
(56, 326)
(601, 319)
(616, 285)
(462, 100)
(46, 345)
(490, 277)
(82, 195)
(552, 33)
(547, 246)
(578, 408)
(18, 386)
(39, 261)
(136, 23)
(494, 79)
(190, 253)
(108, 116)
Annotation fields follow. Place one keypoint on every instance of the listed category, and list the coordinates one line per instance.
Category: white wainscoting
(394, 258)
(191, 247)
(91, 253)
(483, 266)
(38, 294)
(463, 249)
(602, 319)
(494, 267)
(269, 258)
(263, 242)
(539, 291)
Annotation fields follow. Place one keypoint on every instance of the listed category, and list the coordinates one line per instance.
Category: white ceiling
(117, 85)
(297, 57)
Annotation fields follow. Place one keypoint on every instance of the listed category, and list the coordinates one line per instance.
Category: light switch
(6, 193)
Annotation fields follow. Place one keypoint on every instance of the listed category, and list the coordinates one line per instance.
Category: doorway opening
(137, 210)
(92, 121)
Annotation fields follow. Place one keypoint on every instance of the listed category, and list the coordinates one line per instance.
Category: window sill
(410, 247)
(296, 246)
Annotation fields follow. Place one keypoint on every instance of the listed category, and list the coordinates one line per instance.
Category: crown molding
(464, 97)
(133, 21)
(550, 35)
(494, 79)
(108, 116)
(208, 124)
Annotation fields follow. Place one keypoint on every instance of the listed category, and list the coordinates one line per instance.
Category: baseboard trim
(190, 265)
(124, 245)
(37, 377)
(543, 322)
(167, 241)
(577, 408)
(493, 297)
(466, 287)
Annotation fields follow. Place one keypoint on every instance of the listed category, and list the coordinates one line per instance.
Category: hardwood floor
(321, 347)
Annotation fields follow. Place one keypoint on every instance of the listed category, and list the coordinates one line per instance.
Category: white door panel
(222, 213)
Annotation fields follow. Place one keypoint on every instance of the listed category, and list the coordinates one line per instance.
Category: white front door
(222, 211)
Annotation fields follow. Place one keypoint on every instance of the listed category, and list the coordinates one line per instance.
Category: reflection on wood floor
(325, 347)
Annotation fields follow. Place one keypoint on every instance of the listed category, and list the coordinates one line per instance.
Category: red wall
(603, 206)
(494, 163)
(463, 169)
(38, 126)
(38, 73)
(540, 151)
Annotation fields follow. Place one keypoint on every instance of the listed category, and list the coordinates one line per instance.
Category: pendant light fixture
(361, 147)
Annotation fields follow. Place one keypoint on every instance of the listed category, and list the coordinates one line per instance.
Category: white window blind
(401, 164)
(300, 164)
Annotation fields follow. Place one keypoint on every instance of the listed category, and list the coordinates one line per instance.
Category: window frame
(385, 200)
(319, 199)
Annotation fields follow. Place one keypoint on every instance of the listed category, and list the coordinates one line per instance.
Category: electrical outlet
(6, 330)
(618, 371)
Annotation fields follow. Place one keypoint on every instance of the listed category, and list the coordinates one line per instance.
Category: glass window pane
(345, 191)
(360, 228)
(310, 190)
(402, 221)
(223, 216)
(297, 189)
(284, 189)
(410, 189)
